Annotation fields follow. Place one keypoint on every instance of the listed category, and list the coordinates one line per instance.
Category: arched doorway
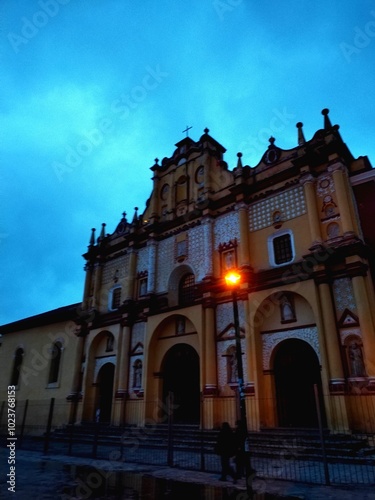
(297, 370)
(181, 377)
(105, 391)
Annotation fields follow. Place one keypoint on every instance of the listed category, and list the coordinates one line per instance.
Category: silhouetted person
(226, 448)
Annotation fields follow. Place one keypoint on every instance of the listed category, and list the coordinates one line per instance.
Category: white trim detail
(271, 253)
(99, 362)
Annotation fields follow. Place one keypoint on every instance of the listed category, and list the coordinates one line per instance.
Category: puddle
(87, 483)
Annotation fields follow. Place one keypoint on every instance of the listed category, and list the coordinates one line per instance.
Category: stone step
(297, 443)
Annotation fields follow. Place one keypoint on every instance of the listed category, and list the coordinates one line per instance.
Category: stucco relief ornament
(271, 340)
(325, 186)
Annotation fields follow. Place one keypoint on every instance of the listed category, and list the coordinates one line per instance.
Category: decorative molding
(270, 341)
(290, 204)
(344, 295)
(99, 362)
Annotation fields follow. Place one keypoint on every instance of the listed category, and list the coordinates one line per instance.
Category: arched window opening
(18, 358)
(187, 289)
(115, 298)
(55, 363)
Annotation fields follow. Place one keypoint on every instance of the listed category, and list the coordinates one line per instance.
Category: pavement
(64, 477)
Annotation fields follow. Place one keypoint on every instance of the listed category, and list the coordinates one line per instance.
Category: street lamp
(233, 280)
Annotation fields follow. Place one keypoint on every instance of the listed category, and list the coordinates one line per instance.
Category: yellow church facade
(154, 336)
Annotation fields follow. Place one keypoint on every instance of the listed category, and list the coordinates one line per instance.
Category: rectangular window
(116, 298)
(282, 249)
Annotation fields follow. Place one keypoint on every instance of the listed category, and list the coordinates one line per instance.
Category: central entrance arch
(296, 369)
(105, 391)
(181, 377)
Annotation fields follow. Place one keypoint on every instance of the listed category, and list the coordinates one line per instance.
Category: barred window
(282, 249)
(116, 298)
(186, 289)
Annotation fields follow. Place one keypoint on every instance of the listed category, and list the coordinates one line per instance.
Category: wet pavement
(62, 477)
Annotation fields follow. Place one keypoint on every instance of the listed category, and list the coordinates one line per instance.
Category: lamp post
(233, 279)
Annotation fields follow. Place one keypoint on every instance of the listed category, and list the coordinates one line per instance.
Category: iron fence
(317, 456)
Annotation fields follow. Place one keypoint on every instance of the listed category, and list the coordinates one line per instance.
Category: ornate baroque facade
(156, 318)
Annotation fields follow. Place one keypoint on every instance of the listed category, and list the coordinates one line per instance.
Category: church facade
(154, 334)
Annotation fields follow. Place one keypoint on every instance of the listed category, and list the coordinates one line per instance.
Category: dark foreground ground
(39, 477)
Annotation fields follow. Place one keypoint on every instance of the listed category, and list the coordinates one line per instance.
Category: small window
(18, 358)
(281, 248)
(186, 289)
(55, 363)
(114, 301)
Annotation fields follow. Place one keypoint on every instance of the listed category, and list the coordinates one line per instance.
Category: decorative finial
(92, 238)
(156, 161)
(271, 140)
(102, 232)
(135, 216)
(327, 121)
(239, 161)
(206, 130)
(301, 137)
(124, 215)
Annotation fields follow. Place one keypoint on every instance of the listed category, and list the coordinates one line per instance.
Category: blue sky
(93, 90)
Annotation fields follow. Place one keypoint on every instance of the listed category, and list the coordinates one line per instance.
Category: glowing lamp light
(232, 278)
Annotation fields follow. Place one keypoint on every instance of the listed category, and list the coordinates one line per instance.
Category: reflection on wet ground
(94, 483)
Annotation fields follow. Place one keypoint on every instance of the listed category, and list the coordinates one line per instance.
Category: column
(337, 413)
(152, 253)
(366, 324)
(307, 181)
(97, 285)
(132, 266)
(343, 200)
(208, 246)
(251, 379)
(122, 375)
(206, 161)
(336, 373)
(210, 366)
(88, 280)
(244, 251)
(75, 393)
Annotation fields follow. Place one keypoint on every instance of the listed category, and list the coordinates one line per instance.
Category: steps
(296, 444)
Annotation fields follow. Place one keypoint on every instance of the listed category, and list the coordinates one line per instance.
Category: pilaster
(366, 324)
(244, 251)
(344, 201)
(308, 181)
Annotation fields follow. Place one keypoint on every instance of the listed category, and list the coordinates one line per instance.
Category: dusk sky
(93, 90)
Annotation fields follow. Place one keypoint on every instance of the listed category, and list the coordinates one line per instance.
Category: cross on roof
(187, 130)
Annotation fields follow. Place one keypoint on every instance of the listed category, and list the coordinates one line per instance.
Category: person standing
(226, 448)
